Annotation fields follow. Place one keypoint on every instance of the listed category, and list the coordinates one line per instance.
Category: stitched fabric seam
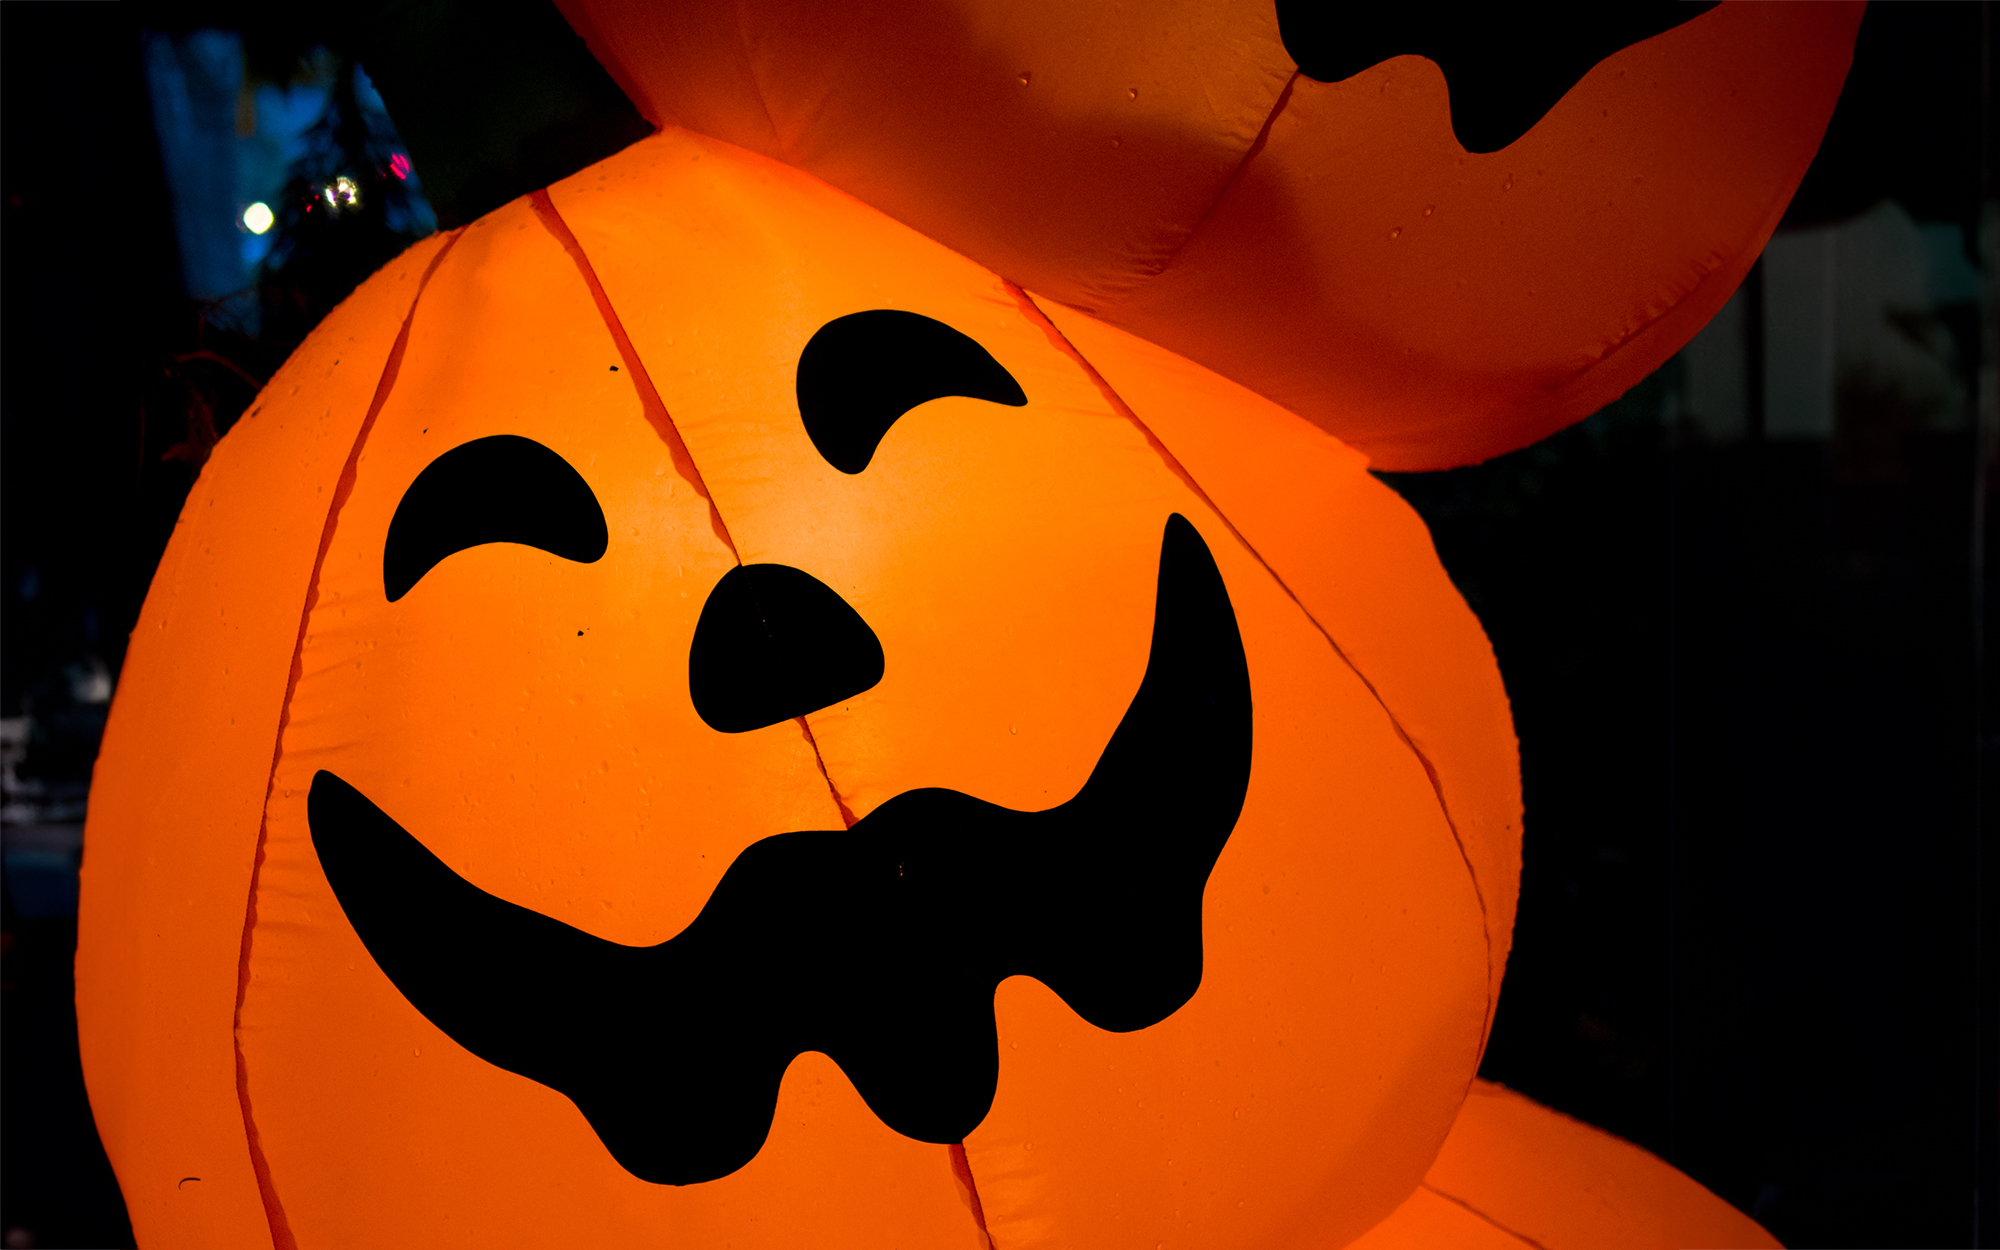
(274, 1212)
(1179, 470)
(962, 1163)
(778, 144)
(1468, 1207)
(1249, 154)
(650, 403)
(662, 421)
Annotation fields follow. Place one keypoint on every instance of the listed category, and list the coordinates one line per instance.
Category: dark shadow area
(59, 1186)
(132, 344)
(1744, 697)
(1738, 613)
(90, 281)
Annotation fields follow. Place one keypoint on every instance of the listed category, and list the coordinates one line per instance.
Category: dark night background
(1742, 632)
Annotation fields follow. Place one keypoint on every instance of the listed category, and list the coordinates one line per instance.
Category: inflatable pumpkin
(693, 712)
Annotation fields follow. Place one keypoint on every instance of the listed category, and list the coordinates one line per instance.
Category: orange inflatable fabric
(694, 710)
(1329, 245)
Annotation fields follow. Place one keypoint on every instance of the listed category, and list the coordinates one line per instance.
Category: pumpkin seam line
(961, 1163)
(654, 407)
(1469, 1208)
(651, 405)
(778, 144)
(846, 813)
(1249, 154)
(1179, 470)
(274, 1211)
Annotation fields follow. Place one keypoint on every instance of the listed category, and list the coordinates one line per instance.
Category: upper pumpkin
(1329, 245)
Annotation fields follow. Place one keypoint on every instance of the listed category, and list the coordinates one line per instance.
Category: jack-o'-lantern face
(780, 752)
(812, 940)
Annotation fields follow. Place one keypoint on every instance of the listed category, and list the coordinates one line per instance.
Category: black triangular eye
(503, 489)
(862, 371)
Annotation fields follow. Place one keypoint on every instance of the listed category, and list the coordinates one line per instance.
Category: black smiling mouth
(880, 945)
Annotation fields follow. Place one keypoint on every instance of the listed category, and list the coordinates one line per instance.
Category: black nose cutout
(773, 643)
(859, 373)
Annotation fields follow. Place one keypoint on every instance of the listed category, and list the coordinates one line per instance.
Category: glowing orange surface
(181, 782)
(528, 718)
